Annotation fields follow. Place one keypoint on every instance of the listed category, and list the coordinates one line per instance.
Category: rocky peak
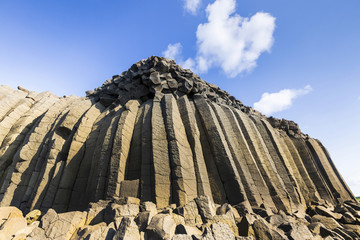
(155, 76)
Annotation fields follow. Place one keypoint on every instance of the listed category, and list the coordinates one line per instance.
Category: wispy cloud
(192, 6)
(279, 101)
(174, 51)
(229, 41)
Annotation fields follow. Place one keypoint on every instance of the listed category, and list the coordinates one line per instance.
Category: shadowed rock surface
(159, 133)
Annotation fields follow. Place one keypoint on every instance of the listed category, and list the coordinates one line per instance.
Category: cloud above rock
(174, 51)
(275, 102)
(229, 41)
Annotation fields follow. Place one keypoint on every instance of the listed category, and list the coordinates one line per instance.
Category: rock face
(159, 133)
(127, 218)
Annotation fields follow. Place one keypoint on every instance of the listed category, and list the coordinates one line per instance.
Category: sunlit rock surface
(161, 134)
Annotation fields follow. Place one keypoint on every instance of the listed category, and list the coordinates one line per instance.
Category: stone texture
(127, 230)
(33, 216)
(162, 226)
(159, 133)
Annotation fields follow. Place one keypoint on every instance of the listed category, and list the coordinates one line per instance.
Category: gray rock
(328, 222)
(155, 78)
(264, 231)
(181, 237)
(162, 226)
(206, 207)
(127, 230)
(348, 218)
(190, 213)
(222, 231)
(299, 231)
(327, 212)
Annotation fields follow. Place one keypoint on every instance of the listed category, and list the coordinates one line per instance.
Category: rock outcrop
(161, 134)
(127, 218)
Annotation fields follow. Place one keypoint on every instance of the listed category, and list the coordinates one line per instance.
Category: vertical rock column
(52, 161)
(180, 154)
(10, 101)
(312, 169)
(15, 137)
(277, 158)
(121, 148)
(344, 185)
(75, 155)
(13, 115)
(160, 157)
(147, 168)
(133, 171)
(289, 165)
(229, 130)
(227, 170)
(22, 168)
(101, 159)
(248, 158)
(327, 171)
(266, 165)
(216, 185)
(78, 198)
(193, 136)
(309, 190)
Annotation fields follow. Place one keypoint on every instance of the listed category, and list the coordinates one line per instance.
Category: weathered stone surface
(94, 232)
(206, 207)
(193, 136)
(180, 154)
(319, 229)
(328, 222)
(160, 158)
(124, 210)
(299, 231)
(62, 226)
(327, 212)
(264, 161)
(188, 230)
(181, 237)
(158, 133)
(127, 230)
(121, 149)
(33, 216)
(222, 155)
(222, 231)
(264, 231)
(191, 214)
(162, 226)
(11, 226)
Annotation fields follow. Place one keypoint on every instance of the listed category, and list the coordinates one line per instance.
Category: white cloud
(279, 101)
(230, 41)
(227, 40)
(174, 51)
(192, 5)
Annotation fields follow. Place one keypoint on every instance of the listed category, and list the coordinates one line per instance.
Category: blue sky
(306, 68)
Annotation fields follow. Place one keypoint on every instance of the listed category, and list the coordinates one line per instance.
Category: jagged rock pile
(155, 77)
(159, 133)
(127, 218)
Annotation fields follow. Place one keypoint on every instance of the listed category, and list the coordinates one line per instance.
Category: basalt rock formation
(159, 133)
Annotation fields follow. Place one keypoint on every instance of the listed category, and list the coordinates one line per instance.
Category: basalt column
(160, 133)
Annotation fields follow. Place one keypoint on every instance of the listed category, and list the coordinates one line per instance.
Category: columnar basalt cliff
(159, 133)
